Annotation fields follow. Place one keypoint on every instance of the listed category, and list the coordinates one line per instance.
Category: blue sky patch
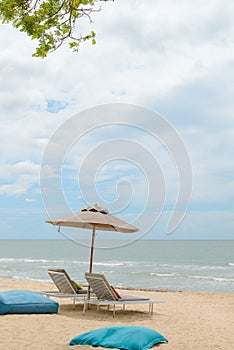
(54, 106)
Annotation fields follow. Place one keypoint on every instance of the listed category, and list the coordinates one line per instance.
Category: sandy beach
(189, 320)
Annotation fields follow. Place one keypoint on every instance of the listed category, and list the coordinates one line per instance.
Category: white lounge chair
(66, 287)
(106, 295)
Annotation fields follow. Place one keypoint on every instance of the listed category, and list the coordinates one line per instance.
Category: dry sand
(189, 320)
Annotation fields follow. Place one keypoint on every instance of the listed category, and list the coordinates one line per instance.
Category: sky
(174, 62)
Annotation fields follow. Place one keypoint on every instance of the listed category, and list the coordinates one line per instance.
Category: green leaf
(50, 22)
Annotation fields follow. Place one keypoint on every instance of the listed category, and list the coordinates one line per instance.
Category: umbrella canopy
(95, 218)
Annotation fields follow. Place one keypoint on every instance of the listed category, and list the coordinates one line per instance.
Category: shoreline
(123, 287)
(189, 320)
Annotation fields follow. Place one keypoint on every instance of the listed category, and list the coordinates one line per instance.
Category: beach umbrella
(94, 218)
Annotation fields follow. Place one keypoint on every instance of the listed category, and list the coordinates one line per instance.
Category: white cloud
(126, 64)
(29, 200)
(173, 56)
(211, 224)
(18, 178)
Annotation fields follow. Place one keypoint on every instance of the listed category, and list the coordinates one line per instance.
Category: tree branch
(51, 22)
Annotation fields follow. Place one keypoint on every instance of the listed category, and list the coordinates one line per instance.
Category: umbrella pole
(91, 251)
(91, 257)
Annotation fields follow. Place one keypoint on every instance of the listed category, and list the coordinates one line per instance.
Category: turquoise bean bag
(26, 302)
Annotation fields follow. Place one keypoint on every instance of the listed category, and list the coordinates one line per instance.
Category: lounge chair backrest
(62, 281)
(100, 286)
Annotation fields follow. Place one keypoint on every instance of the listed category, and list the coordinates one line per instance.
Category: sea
(144, 264)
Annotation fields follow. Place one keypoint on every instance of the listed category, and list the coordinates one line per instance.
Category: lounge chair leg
(114, 311)
(74, 303)
(84, 309)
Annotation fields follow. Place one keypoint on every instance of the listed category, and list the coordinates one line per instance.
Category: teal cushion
(120, 337)
(26, 302)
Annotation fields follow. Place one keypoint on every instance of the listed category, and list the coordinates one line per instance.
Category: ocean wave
(184, 266)
(26, 278)
(211, 278)
(163, 274)
(20, 260)
(50, 261)
(188, 276)
(108, 264)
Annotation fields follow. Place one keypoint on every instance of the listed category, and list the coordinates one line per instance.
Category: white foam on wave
(27, 260)
(162, 274)
(189, 266)
(211, 278)
(108, 264)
